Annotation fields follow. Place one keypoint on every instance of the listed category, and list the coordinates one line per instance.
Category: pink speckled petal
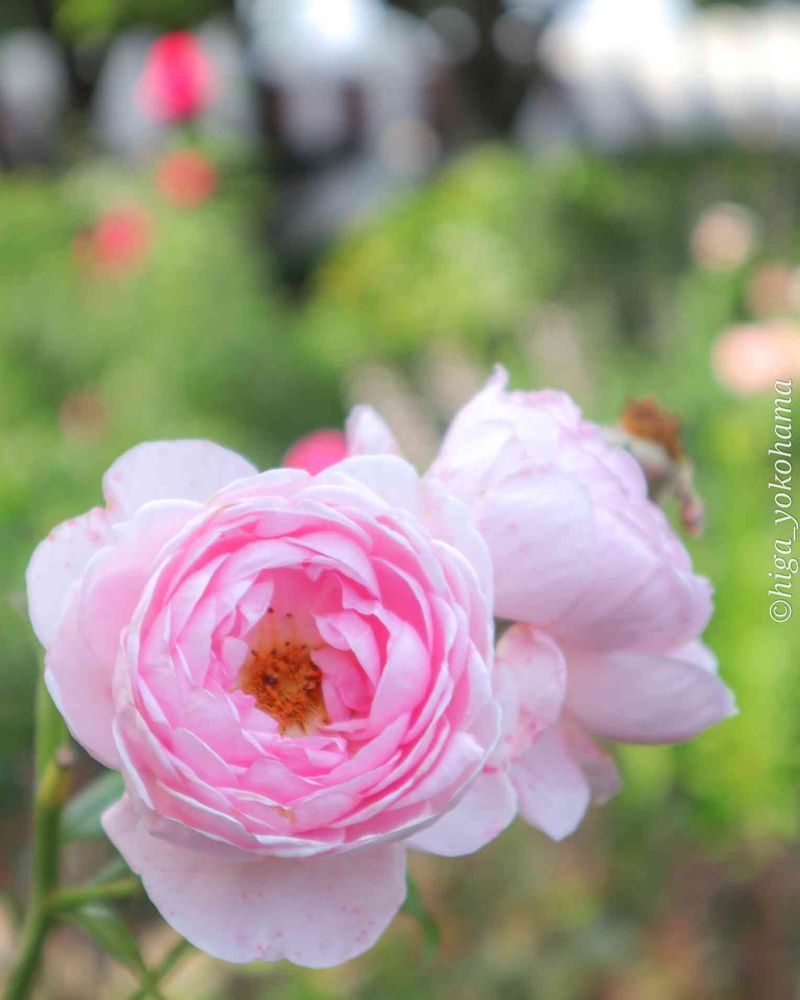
(57, 563)
(316, 912)
(170, 470)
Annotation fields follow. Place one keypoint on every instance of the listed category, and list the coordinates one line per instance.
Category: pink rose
(292, 674)
(178, 78)
(607, 612)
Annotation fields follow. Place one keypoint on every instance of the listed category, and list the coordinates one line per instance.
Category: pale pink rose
(750, 358)
(292, 674)
(607, 609)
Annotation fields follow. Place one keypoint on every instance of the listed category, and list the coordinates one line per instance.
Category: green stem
(53, 763)
(80, 895)
(167, 964)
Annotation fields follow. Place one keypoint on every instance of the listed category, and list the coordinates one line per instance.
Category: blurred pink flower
(316, 451)
(749, 359)
(606, 610)
(725, 237)
(292, 674)
(772, 290)
(84, 418)
(118, 242)
(178, 80)
(186, 178)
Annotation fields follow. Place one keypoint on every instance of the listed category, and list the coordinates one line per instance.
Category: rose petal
(487, 808)
(543, 546)
(645, 698)
(316, 912)
(170, 470)
(57, 563)
(553, 791)
(368, 433)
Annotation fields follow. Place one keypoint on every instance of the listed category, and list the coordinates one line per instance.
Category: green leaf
(81, 817)
(107, 928)
(414, 907)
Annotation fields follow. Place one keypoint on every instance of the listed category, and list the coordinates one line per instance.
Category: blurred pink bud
(317, 451)
(117, 244)
(84, 418)
(186, 178)
(748, 359)
(772, 290)
(177, 81)
(724, 237)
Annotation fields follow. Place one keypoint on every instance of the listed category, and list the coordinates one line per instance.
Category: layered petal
(170, 470)
(367, 433)
(80, 661)
(57, 563)
(554, 793)
(645, 698)
(487, 808)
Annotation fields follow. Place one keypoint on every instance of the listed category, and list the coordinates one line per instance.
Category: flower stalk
(53, 771)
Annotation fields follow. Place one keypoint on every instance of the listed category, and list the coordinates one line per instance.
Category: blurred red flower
(186, 178)
(316, 451)
(118, 242)
(177, 82)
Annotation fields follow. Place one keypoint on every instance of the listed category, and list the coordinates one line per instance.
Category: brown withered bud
(653, 437)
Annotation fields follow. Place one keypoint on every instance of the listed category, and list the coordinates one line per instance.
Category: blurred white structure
(348, 92)
(659, 70)
(33, 97)
(121, 126)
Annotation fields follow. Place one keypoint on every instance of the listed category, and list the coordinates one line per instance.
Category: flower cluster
(296, 671)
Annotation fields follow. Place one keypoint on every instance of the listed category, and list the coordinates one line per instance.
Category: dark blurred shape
(458, 29)
(353, 104)
(33, 98)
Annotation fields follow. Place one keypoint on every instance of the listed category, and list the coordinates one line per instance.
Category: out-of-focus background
(233, 221)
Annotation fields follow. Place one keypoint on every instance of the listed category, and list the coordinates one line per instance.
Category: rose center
(285, 683)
